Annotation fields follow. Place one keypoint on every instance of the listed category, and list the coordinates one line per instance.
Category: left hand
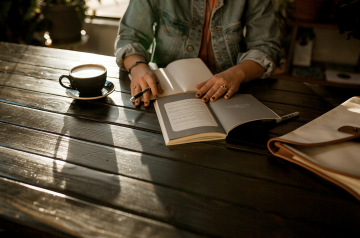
(212, 89)
(228, 82)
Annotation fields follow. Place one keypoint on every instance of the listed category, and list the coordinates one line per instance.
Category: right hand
(142, 78)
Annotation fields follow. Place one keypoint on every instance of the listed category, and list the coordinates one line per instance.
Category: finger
(146, 95)
(230, 92)
(210, 93)
(218, 94)
(152, 82)
(133, 86)
(160, 90)
(137, 90)
(198, 86)
(205, 87)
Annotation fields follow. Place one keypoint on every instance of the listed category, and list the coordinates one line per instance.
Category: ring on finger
(223, 86)
(135, 87)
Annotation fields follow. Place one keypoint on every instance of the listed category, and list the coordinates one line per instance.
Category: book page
(189, 113)
(184, 115)
(188, 73)
(239, 109)
(168, 84)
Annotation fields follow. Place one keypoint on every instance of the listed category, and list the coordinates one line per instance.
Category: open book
(328, 146)
(184, 118)
(181, 76)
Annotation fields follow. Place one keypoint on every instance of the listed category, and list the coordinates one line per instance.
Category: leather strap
(136, 63)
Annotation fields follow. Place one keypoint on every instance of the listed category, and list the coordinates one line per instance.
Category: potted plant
(65, 19)
(20, 20)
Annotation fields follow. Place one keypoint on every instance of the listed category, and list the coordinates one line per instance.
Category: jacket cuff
(261, 58)
(130, 49)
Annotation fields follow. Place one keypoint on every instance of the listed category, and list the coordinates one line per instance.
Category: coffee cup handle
(65, 76)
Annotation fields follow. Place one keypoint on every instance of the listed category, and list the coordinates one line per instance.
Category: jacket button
(190, 48)
(196, 22)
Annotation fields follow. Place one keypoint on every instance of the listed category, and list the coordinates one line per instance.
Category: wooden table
(101, 169)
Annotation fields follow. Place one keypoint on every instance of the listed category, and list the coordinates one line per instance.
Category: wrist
(136, 64)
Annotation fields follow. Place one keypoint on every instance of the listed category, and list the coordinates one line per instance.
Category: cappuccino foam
(87, 71)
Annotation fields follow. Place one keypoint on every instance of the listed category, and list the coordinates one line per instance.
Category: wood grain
(207, 216)
(56, 53)
(104, 111)
(66, 63)
(66, 216)
(100, 168)
(159, 170)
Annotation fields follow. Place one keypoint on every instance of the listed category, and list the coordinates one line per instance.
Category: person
(239, 40)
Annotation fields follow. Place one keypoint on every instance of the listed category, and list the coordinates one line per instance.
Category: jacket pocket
(171, 39)
(234, 33)
(233, 36)
(174, 28)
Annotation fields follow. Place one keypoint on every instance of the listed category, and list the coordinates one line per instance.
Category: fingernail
(213, 98)
(137, 101)
(156, 96)
(226, 96)
(204, 99)
(146, 103)
(198, 94)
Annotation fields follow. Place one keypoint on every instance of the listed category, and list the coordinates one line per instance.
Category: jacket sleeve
(135, 33)
(262, 36)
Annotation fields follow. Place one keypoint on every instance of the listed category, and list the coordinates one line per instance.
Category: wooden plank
(52, 87)
(122, 99)
(266, 94)
(127, 117)
(204, 216)
(284, 85)
(55, 63)
(263, 94)
(41, 72)
(334, 95)
(66, 216)
(159, 170)
(53, 74)
(121, 137)
(203, 177)
(82, 57)
(131, 118)
(108, 60)
(95, 110)
(280, 130)
(134, 164)
(44, 73)
(145, 121)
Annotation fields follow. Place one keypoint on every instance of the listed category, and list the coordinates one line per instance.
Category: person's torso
(180, 29)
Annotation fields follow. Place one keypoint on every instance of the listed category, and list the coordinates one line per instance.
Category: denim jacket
(179, 32)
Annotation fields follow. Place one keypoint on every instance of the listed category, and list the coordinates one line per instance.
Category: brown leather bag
(328, 146)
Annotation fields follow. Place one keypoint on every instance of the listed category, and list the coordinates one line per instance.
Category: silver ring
(223, 86)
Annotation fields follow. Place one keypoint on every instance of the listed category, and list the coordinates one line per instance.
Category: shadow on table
(167, 199)
(79, 149)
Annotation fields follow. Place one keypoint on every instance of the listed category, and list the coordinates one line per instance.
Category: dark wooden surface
(100, 168)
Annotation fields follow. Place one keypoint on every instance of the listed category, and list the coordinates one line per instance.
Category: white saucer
(107, 89)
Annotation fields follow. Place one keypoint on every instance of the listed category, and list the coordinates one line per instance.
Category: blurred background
(320, 38)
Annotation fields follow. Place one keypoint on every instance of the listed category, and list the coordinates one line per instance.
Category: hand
(142, 78)
(231, 78)
(212, 89)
